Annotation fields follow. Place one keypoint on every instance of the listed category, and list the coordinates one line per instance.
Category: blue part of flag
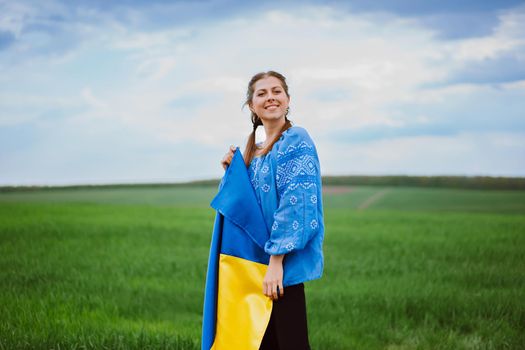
(238, 203)
(210, 293)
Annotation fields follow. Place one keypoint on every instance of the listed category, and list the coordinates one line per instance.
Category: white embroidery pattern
(290, 246)
(293, 200)
(313, 224)
(296, 166)
(265, 169)
(313, 198)
(275, 226)
(265, 187)
(292, 148)
(306, 185)
(255, 178)
(295, 225)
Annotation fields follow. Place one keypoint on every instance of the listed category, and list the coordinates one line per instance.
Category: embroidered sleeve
(298, 179)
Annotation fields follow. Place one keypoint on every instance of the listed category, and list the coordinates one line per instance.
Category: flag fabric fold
(236, 312)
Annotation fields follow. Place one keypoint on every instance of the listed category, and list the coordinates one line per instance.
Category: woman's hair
(256, 121)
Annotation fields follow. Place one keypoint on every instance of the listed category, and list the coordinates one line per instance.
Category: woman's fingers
(274, 292)
(226, 160)
(277, 291)
(266, 290)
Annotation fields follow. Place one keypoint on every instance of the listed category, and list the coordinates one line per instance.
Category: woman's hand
(228, 157)
(274, 277)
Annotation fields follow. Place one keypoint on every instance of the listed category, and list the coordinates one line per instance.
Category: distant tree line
(467, 182)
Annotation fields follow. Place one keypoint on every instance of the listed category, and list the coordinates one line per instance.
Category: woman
(285, 174)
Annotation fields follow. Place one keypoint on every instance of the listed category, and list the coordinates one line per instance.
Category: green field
(124, 268)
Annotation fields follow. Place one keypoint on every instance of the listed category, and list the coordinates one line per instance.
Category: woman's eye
(275, 91)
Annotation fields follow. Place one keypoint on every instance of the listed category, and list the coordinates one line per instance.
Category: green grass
(125, 269)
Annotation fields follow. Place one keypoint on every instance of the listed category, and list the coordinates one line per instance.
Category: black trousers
(287, 329)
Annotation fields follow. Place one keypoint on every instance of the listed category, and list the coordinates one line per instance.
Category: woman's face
(269, 100)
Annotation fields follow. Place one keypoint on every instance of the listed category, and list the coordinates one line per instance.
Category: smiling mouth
(271, 106)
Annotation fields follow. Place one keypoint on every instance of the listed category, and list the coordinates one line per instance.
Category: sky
(99, 92)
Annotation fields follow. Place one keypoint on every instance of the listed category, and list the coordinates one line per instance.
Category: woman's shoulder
(294, 136)
(296, 130)
(294, 142)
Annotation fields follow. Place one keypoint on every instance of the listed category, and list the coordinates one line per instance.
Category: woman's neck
(272, 129)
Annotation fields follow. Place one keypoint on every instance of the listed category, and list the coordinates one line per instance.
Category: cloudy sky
(151, 91)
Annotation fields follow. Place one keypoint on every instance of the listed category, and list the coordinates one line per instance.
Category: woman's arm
(274, 277)
(298, 181)
(296, 219)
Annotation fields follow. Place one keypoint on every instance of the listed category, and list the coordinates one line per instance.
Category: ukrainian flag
(236, 312)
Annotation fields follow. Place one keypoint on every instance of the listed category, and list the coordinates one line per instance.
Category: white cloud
(508, 35)
(93, 101)
(156, 68)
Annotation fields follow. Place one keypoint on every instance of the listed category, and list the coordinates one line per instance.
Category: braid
(256, 121)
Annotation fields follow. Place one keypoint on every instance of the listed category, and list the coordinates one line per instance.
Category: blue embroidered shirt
(287, 183)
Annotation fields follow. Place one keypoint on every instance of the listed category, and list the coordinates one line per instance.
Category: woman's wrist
(276, 259)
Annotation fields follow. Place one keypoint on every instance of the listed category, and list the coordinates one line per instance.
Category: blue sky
(151, 91)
